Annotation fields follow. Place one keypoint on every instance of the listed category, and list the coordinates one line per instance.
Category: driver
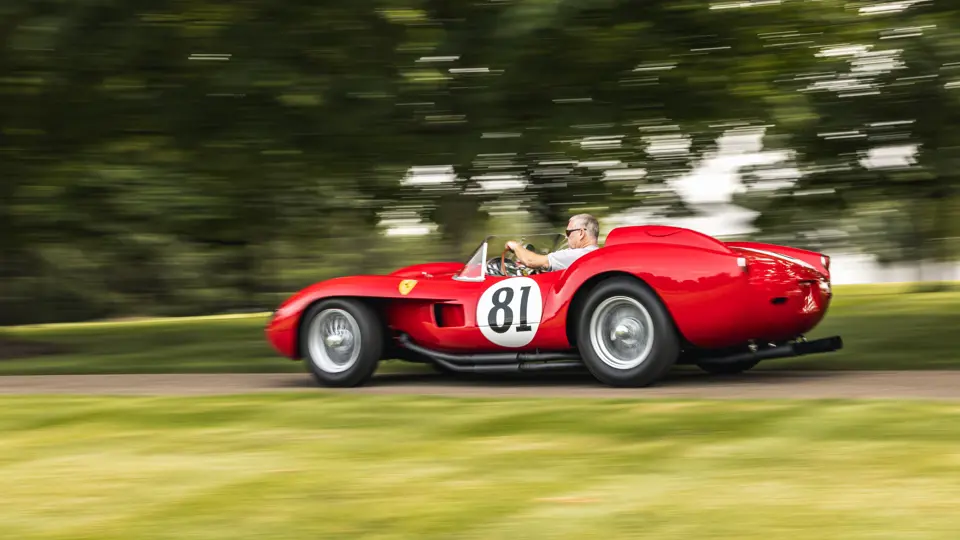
(582, 233)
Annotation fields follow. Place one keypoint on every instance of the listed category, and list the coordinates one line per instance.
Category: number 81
(501, 302)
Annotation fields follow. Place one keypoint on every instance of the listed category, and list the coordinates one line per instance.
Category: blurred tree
(185, 156)
(877, 146)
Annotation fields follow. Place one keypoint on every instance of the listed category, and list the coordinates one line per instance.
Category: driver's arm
(527, 257)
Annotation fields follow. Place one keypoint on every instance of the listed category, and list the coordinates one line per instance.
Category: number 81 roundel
(509, 312)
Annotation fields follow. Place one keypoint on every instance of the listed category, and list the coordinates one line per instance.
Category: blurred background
(187, 157)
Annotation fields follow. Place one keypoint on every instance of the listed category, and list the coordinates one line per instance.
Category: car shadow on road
(678, 378)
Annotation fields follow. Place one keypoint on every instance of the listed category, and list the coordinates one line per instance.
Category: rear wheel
(625, 335)
(342, 342)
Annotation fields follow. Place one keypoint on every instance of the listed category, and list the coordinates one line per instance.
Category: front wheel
(342, 342)
(625, 335)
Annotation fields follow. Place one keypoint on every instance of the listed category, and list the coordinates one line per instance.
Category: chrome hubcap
(628, 331)
(622, 332)
(333, 341)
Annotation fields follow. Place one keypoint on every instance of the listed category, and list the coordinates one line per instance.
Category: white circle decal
(509, 312)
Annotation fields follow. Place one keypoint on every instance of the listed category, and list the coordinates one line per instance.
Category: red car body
(721, 296)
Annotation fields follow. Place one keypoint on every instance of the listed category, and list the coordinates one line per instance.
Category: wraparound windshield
(493, 246)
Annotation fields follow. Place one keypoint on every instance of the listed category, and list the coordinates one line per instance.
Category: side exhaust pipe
(496, 362)
(798, 348)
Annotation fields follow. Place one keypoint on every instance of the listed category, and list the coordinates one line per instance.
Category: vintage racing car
(649, 298)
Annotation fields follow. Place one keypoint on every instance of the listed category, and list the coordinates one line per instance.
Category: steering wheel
(503, 265)
(503, 260)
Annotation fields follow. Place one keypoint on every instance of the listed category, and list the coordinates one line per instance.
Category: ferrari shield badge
(407, 285)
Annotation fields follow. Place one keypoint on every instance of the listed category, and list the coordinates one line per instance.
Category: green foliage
(878, 81)
(182, 156)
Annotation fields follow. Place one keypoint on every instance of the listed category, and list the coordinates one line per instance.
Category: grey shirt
(565, 257)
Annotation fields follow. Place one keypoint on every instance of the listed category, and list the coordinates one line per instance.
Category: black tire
(366, 328)
(665, 347)
(734, 368)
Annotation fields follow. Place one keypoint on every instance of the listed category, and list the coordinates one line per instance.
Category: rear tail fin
(819, 261)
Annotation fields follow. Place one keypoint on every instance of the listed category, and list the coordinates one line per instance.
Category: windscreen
(493, 247)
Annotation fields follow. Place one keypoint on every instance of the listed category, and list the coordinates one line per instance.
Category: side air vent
(779, 300)
(448, 315)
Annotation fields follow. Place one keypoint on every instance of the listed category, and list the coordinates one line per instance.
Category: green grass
(342, 466)
(884, 327)
(231, 344)
(887, 327)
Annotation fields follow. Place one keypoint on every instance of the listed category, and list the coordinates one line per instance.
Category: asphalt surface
(938, 385)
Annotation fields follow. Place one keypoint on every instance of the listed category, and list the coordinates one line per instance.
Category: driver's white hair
(589, 223)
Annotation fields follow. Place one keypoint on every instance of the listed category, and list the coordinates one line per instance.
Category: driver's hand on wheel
(512, 245)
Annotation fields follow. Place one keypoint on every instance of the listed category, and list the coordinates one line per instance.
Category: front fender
(282, 328)
(702, 289)
(428, 269)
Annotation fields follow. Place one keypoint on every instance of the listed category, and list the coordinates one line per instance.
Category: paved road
(942, 385)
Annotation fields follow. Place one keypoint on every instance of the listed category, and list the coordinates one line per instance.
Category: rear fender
(659, 234)
(701, 288)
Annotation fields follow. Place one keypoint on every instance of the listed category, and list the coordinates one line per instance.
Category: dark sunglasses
(573, 231)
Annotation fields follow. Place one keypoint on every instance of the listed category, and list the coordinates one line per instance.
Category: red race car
(649, 298)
